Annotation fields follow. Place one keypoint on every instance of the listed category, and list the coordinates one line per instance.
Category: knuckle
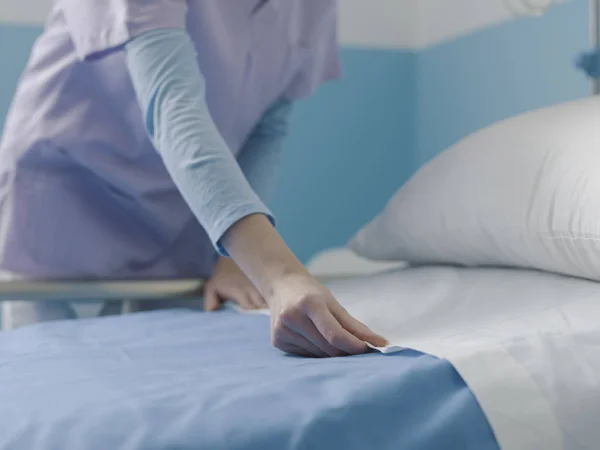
(288, 316)
(307, 303)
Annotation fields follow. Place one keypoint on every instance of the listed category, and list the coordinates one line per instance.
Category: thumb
(356, 327)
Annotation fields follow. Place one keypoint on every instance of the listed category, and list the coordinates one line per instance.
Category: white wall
(370, 23)
(29, 12)
(384, 23)
(379, 23)
(408, 24)
(418, 24)
(441, 20)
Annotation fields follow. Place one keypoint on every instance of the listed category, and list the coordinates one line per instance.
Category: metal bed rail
(148, 289)
(94, 290)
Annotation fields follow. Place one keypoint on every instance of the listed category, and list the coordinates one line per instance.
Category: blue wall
(349, 148)
(15, 43)
(498, 72)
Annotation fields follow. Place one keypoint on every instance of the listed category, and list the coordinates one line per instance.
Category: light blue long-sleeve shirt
(171, 91)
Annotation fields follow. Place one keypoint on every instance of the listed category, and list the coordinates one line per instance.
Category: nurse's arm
(260, 161)
(171, 91)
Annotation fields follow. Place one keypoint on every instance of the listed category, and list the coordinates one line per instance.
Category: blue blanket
(187, 380)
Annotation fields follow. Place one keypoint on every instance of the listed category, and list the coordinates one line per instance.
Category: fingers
(295, 350)
(237, 295)
(299, 341)
(257, 300)
(250, 299)
(306, 329)
(333, 332)
(247, 299)
(287, 340)
(211, 300)
(315, 320)
(356, 327)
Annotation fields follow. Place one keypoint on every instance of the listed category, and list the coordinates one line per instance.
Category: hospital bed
(188, 380)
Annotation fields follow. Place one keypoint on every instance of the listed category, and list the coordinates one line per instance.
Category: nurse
(143, 141)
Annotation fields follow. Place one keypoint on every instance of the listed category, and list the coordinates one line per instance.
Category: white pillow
(524, 192)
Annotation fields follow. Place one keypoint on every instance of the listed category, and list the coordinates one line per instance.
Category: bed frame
(130, 292)
(326, 266)
(37, 290)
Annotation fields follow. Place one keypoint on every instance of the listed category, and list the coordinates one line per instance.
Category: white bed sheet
(527, 343)
(341, 262)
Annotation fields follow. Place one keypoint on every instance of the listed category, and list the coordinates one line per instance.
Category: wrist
(223, 262)
(282, 277)
(261, 254)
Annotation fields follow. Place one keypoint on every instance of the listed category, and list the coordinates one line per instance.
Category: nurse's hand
(229, 283)
(307, 320)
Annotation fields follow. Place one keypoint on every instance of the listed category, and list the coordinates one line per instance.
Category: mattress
(527, 343)
(189, 380)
